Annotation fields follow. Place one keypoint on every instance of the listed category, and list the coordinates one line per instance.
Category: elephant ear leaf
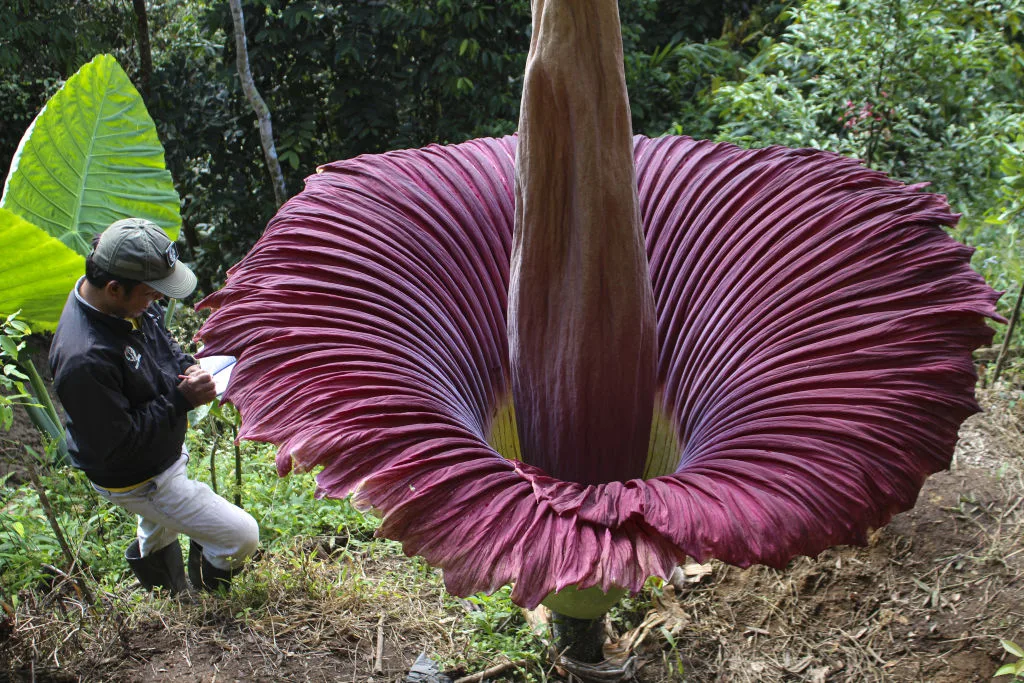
(36, 271)
(91, 157)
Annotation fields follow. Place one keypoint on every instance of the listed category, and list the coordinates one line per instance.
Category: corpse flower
(571, 359)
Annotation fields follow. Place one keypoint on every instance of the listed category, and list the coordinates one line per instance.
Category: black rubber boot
(204, 575)
(162, 569)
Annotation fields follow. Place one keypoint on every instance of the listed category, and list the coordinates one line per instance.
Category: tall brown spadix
(581, 326)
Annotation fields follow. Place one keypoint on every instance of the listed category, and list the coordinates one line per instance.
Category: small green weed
(284, 507)
(494, 630)
(672, 658)
(28, 546)
(1014, 669)
(12, 389)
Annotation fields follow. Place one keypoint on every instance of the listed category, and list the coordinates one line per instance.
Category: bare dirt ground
(926, 601)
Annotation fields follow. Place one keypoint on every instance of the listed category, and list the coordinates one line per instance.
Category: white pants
(172, 504)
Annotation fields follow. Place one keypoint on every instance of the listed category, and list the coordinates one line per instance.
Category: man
(126, 388)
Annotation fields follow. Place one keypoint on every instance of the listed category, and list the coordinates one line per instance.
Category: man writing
(126, 388)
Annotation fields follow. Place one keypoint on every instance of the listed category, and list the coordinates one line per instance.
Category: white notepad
(220, 367)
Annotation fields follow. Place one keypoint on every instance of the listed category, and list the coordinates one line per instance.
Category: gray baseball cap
(137, 249)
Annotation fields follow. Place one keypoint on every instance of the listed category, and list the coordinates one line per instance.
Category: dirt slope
(926, 602)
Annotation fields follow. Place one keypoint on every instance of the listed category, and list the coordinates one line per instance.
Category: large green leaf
(36, 271)
(91, 157)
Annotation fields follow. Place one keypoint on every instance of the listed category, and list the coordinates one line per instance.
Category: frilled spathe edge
(815, 326)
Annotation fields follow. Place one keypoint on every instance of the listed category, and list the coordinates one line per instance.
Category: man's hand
(193, 369)
(197, 386)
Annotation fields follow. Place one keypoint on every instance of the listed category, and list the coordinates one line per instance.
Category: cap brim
(178, 285)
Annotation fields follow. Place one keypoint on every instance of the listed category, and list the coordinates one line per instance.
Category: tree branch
(257, 104)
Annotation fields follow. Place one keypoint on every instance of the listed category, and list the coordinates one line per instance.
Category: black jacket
(126, 418)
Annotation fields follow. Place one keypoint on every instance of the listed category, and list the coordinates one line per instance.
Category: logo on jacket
(133, 357)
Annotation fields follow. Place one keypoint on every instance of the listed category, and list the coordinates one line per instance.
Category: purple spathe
(815, 328)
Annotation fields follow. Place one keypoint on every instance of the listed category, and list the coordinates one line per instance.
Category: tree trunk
(257, 103)
(145, 51)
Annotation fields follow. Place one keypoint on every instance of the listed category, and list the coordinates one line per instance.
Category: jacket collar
(96, 315)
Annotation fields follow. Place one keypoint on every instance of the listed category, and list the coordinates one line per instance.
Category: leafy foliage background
(926, 92)
(340, 80)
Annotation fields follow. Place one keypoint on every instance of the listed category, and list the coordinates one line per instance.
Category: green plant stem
(39, 388)
(44, 501)
(41, 419)
(213, 452)
(172, 307)
(238, 466)
(44, 415)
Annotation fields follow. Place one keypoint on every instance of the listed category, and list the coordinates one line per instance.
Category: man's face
(135, 303)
